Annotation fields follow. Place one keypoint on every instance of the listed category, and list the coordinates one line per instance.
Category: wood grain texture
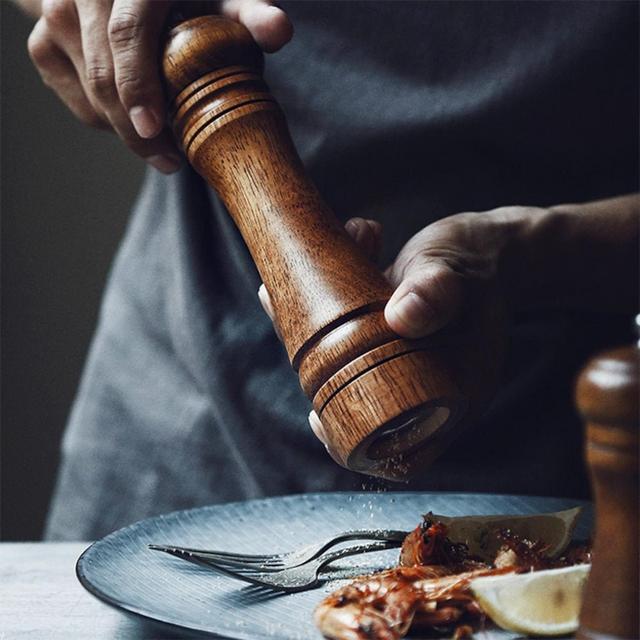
(328, 298)
(608, 394)
(40, 597)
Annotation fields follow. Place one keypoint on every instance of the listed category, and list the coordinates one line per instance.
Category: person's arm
(471, 266)
(579, 256)
(101, 59)
(573, 256)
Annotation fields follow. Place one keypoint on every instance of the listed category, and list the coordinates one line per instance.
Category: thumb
(269, 25)
(428, 297)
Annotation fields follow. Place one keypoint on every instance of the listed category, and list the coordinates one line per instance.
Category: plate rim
(239, 635)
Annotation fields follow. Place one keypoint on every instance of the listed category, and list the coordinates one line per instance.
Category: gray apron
(403, 112)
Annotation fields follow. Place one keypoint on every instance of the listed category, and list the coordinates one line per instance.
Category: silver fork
(281, 561)
(299, 578)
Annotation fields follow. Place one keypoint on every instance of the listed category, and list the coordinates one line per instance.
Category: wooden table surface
(41, 598)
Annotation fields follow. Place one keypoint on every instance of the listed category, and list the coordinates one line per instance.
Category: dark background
(66, 193)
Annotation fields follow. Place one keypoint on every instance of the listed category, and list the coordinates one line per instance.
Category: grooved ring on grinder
(408, 397)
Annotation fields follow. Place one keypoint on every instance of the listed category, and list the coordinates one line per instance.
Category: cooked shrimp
(385, 605)
(428, 544)
(430, 588)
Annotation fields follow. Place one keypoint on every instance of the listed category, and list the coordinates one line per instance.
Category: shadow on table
(135, 628)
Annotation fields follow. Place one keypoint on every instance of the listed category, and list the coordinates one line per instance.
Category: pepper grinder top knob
(203, 45)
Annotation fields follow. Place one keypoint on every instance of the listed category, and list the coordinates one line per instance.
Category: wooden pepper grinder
(607, 396)
(384, 402)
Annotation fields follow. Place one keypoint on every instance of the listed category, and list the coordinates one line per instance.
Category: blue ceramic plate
(121, 571)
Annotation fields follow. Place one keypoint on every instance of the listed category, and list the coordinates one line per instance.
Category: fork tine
(232, 555)
(213, 555)
(235, 556)
(210, 558)
(306, 577)
(257, 579)
(249, 563)
(280, 561)
(291, 580)
(253, 566)
(179, 553)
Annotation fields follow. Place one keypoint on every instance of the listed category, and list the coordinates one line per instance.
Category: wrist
(525, 263)
(573, 256)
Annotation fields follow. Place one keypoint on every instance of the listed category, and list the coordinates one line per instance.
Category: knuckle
(57, 13)
(413, 261)
(130, 85)
(125, 28)
(100, 79)
(39, 47)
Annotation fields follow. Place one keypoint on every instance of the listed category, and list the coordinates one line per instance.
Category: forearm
(577, 256)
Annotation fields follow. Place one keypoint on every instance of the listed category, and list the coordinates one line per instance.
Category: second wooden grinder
(387, 404)
(608, 398)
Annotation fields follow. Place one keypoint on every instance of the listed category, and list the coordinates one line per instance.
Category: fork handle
(390, 535)
(324, 560)
(371, 534)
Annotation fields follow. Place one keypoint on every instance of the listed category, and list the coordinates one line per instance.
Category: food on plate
(432, 586)
(384, 606)
(555, 529)
(542, 603)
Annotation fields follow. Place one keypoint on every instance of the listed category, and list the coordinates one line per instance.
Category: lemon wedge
(545, 603)
(477, 532)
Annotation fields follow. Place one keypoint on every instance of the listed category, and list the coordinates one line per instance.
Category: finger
(100, 78)
(319, 432)
(269, 25)
(160, 152)
(134, 35)
(316, 427)
(265, 301)
(59, 73)
(376, 229)
(60, 16)
(367, 234)
(428, 297)
(92, 53)
(62, 20)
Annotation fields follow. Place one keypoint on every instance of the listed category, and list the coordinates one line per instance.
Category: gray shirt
(403, 112)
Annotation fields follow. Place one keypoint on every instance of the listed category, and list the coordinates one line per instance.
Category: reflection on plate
(121, 571)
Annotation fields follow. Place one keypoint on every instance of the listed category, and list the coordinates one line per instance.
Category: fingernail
(315, 424)
(352, 228)
(412, 311)
(265, 300)
(165, 164)
(374, 227)
(144, 121)
(362, 233)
